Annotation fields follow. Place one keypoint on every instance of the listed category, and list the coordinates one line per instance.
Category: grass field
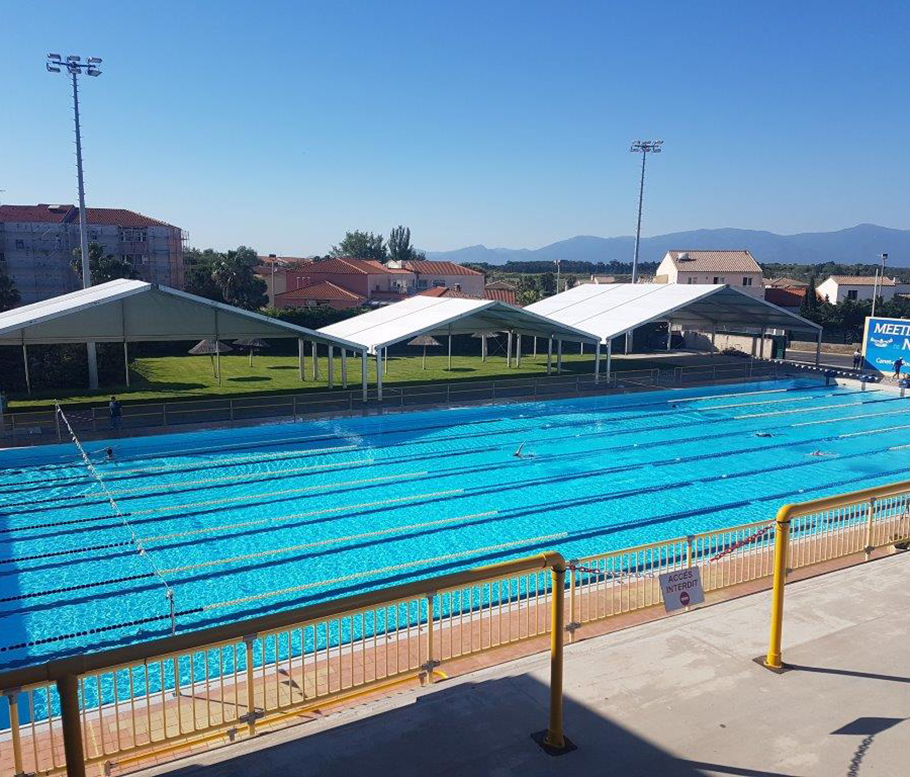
(184, 377)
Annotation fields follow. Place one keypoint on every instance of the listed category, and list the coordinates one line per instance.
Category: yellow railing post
(870, 517)
(573, 624)
(68, 689)
(555, 737)
(13, 698)
(781, 543)
(431, 663)
(250, 685)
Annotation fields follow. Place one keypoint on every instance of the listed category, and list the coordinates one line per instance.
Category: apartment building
(37, 243)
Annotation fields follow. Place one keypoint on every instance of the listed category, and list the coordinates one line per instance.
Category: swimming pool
(243, 521)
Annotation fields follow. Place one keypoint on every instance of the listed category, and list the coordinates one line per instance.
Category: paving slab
(677, 697)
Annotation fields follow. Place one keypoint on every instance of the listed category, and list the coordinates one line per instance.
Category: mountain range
(862, 244)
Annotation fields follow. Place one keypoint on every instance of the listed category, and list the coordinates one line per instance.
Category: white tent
(134, 311)
(610, 310)
(377, 329)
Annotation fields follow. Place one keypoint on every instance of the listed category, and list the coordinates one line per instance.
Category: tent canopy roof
(611, 310)
(420, 315)
(138, 311)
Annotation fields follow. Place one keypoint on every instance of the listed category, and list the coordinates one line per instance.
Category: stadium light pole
(643, 147)
(884, 258)
(75, 67)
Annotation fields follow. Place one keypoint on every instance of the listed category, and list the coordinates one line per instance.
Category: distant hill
(859, 244)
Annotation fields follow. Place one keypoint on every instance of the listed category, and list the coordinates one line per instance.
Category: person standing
(857, 359)
(898, 363)
(115, 413)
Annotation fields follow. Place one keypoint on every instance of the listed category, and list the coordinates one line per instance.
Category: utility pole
(74, 66)
(643, 147)
(558, 262)
(884, 258)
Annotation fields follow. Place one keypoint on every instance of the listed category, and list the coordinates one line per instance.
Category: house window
(690, 281)
(421, 284)
(719, 279)
(20, 244)
(852, 294)
(747, 281)
(437, 284)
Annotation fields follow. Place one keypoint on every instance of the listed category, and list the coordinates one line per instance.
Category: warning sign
(681, 588)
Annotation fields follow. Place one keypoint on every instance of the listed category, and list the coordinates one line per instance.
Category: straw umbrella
(214, 348)
(425, 340)
(482, 336)
(253, 344)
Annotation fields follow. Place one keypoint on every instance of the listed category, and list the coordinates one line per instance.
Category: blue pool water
(259, 519)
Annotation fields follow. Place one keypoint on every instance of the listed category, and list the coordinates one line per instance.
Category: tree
(235, 278)
(199, 270)
(809, 307)
(528, 290)
(570, 282)
(361, 245)
(103, 267)
(400, 248)
(9, 294)
(548, 284)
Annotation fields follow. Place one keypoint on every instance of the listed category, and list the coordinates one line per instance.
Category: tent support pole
(535, 348)
(483, 348)
(761, 344)
(315, 356)
(424, 361)
(549, 354)
(217, 350)
(301, 372)
(126, 363)
(364, 376)
(509, 349)
(581, 349)
(559, 357)
(385, 361)
(609, 359)
(669, 334)
(597, 363)
(450, 347)
(28, 380)
(331, 370)
(713, 338)
(344, 368)
(379, 374)
(518, 351)
(818, 348)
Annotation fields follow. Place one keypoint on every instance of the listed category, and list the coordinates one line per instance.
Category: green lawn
(185, 377)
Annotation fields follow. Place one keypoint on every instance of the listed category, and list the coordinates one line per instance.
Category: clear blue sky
(281, 125)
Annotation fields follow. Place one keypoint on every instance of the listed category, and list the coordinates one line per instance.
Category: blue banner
(885, 340)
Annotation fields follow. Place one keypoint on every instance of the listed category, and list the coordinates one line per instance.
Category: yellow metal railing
(823, 529)
(121, 705)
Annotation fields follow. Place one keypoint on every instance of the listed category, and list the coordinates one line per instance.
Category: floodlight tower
(875, 286)
(643, 147)
(75, 67)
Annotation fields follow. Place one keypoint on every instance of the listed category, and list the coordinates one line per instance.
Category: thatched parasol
(211, 348)
(482, 336)
(425, 340)
(253, 344)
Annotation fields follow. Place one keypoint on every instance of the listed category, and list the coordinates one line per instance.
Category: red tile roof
(786, 298)
(501, 295)
(67, 214)
(429, 267)
(348, 266)
(320, 290)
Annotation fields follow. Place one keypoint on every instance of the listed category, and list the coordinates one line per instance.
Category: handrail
(90, 662)
(795, 510)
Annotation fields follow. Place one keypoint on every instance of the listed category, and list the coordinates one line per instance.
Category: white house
(837, 288)
(734, 268)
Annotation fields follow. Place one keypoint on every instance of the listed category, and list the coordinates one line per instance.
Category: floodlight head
(94, 60)
(93, 71)
(54, 57)
(51, 68)
(73, 58)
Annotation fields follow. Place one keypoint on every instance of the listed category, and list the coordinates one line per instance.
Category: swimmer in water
(517, 453)
(763, 434)
(822, 453)
(109, 454)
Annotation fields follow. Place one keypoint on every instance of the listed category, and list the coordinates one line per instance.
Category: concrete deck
(677, 697)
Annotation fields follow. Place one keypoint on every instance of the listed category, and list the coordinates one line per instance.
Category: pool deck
(676, 697)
